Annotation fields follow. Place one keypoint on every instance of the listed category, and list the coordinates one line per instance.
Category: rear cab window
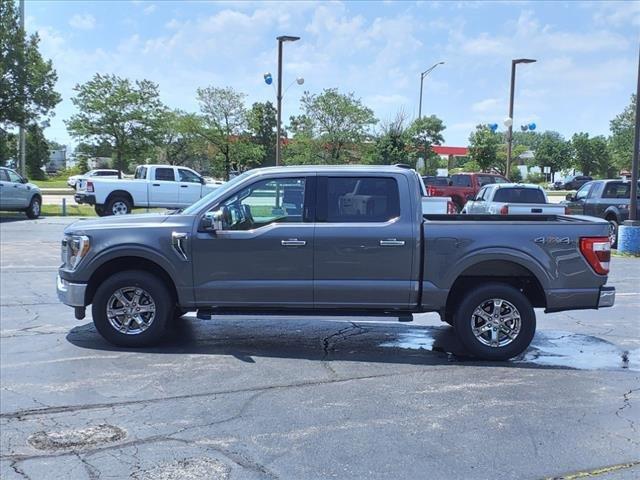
(519, 195)
(141, 173)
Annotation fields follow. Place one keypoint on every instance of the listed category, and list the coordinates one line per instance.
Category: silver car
(17, 194)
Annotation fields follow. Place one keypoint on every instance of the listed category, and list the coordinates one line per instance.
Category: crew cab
(512, 199)
(608, 199)
(464, 186)
(333, 240)
(163, 186)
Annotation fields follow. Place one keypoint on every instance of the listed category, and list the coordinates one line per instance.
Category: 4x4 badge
(553, 240)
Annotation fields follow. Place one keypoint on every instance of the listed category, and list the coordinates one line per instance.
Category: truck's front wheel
(495, 322)
(132, 309)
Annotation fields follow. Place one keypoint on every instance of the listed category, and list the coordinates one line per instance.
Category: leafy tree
(553, 151)
(622, 132)
(338, 120)
(36, 152)
(83, 164)
(114, 110)
(8, 147)
(25, 93)
(262, 122)
(484, 144)
(222, 122)
(424, 133)
(584, 155)
(602, 153)
(177, 143)
(391, 145)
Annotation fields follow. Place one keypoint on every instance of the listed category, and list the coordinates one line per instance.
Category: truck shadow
(358, 341)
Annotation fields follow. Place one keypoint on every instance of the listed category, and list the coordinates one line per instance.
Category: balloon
(493, 127)
(508, 122)
(524, 128)
(532, 126)
(268, 79)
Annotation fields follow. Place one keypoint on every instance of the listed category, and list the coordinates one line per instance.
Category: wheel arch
(119, 193)
(612, 213)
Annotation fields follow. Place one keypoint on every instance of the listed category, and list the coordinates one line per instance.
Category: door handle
(156, 184)
(184, 186)
(392, 242)
(293, 242)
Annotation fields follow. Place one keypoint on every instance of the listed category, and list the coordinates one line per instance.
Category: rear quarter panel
(548, 249)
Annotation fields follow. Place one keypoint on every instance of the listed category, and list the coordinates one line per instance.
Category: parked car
(464, 186)
(574, 183)
(512, 199)
(557, 185)
(608, 199)
(17, 194)
(73, 180)
(333, 239)
(433, 180)
(163, 186)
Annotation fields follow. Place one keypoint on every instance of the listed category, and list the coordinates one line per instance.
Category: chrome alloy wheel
(131, 310)
(496, 322)
(119, 208)
(35, 208)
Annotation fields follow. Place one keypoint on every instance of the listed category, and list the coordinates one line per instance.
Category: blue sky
(587, 55)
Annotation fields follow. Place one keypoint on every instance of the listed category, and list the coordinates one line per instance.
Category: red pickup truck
(464, 186)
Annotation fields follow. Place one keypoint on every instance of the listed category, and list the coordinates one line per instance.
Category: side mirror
(25, 180)
(450, 183)
(570, 197)
(213, 221)
(203, 181)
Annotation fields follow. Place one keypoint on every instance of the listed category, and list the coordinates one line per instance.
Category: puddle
(549, 348)
(76, 438)
(188, 468)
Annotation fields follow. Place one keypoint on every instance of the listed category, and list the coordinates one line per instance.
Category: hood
(144, 220)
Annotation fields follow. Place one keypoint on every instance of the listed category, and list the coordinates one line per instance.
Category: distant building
(450, 154)
(57, 160)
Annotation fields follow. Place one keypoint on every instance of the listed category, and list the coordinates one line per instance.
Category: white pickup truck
(156, 186)
(512, 199)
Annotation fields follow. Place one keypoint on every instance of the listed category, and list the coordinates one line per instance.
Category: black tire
(100, 210)
(475, 298)
(157, 291)
(118, 203)
(33, 211)
(613, 231)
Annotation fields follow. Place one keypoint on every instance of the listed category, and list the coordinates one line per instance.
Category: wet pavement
(302, 397)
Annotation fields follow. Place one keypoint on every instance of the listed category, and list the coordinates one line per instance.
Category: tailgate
(535, 209)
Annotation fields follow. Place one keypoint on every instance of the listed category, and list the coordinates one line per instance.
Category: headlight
(74, 248)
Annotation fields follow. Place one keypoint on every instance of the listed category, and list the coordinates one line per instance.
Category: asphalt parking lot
(307, 398)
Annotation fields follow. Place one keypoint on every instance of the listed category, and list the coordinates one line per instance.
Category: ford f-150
(339, 240)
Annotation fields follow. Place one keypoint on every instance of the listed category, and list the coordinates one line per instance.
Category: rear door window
(461, 180)
(360, 199)
(165, 174)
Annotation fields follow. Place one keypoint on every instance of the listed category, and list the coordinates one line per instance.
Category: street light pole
(22, 139)
(281, 39)
(633, 201)
(422, 75)
(511, 95)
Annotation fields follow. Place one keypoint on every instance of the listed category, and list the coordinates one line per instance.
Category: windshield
(217, 193)
(519, 195)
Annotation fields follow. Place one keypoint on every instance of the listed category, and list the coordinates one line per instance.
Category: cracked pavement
(307, 398)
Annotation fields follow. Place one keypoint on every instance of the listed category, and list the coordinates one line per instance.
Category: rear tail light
(430, 191)
(504, 210)
(89, 186)
(451, 208)
(597, 252)
(566, 211)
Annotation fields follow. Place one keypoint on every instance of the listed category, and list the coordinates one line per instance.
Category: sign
(546, 169)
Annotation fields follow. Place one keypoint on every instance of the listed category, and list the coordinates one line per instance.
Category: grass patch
(51, 183)
(616, 253)
(72, 211)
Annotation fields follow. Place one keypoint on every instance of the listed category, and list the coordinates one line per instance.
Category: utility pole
(633, 201)
(422, 75)
(22, 142)
(511, 95)
(281, 39)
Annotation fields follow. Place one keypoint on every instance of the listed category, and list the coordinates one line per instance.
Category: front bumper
(72, 294)
(84, 198)
(607, 297)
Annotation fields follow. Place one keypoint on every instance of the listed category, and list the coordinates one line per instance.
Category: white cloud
(486, 105)
(84, 21)
(618, 13)
(149, 9)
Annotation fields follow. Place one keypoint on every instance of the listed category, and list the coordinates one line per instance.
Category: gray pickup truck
(333, 240)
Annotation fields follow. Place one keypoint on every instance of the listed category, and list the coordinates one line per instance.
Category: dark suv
(576, 182)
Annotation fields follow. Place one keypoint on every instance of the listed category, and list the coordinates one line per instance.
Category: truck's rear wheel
(132, 308)
(495, 322)
(118, 206)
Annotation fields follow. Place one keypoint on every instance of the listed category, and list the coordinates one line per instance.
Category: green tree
(36, 152)
(392, 144)
(339, 121)
(584, 158)
(424, 133)
(484, 144)
(126, 115)
(222, 122)
(27, 81)
(262, 123)
(622, 132)
(8, 147)
(177, 143)
(553, 151)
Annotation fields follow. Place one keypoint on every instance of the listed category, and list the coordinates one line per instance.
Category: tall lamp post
(509, 120)
(422, 75)
(281, 39)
